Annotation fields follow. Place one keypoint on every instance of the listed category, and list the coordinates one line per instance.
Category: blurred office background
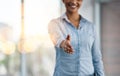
(25, 46)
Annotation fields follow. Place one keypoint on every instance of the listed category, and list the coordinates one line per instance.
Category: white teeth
(73, 6)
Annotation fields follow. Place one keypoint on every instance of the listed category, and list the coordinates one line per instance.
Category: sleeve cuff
(59, 42)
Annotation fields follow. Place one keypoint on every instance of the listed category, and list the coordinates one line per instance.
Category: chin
(73, 11)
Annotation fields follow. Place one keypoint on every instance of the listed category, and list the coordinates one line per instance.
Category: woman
(74, 37)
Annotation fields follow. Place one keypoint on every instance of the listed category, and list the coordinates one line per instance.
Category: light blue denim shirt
(86, 58)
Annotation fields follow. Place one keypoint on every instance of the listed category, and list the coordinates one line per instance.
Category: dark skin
(72, 7)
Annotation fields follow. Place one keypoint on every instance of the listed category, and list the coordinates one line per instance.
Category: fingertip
(68, 37)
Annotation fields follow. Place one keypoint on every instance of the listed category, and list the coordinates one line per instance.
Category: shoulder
(89, 25)
(87, 22)
(54, 21)
(54, 24)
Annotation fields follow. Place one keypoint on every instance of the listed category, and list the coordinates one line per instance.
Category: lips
(73, 6)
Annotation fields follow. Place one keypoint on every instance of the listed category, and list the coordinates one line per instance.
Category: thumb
(68, 37)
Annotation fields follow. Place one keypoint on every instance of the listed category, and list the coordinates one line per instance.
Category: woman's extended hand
(66, 45)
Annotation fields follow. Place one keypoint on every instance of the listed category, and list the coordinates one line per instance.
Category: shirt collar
(82, 20)
(64, 17)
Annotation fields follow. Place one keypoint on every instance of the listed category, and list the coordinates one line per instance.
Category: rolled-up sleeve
(97, 57)
(55, 33)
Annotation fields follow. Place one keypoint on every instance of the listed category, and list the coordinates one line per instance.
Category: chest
(81, 37)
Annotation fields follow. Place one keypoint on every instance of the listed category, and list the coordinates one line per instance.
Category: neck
(73, 16)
